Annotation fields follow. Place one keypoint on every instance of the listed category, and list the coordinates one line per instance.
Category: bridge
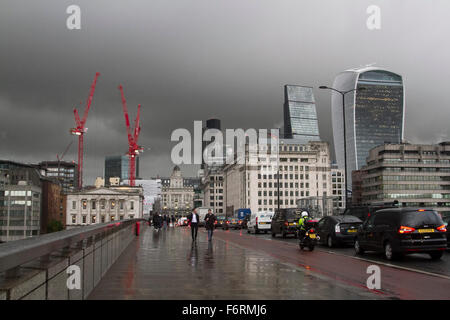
(124, 261)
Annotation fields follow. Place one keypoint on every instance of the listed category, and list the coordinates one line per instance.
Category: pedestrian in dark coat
(210, 220)
(194, 219)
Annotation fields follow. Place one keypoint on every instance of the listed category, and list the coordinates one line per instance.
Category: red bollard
(137, 228)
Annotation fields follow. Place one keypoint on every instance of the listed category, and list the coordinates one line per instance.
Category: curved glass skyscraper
(373, 116)
(300, 117)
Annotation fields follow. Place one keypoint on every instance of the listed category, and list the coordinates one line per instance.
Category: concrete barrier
(46, 278)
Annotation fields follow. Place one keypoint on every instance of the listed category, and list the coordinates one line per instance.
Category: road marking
(390, 265)
(372, 261)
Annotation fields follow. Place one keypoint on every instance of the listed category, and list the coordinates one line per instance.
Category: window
(84, 204)
(74, 219)
(74, 205)
(93, 204)
(93, 219)
(84, 219)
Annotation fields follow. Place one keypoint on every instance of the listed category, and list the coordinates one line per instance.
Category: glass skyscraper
(118, 166)
(300, 117)
(373, 116)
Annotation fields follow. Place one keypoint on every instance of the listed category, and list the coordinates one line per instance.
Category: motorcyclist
(302, 224)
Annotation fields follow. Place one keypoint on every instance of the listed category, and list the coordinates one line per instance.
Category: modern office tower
(210, 124)
(65, 172)
(118, 166)
(373, 116)
(300, 117)
(20, 201)
(413, 174)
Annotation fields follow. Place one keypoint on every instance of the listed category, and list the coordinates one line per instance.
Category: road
(414, 277)
(241, 266)
(419, 262)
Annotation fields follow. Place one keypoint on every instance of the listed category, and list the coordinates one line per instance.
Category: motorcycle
(310, 237)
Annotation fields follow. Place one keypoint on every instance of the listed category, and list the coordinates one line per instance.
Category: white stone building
(177, 198)
(304, 172)
(104, 204)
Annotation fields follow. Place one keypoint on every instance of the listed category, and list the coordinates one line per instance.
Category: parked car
(365, 211)
(285, 221)
(260, 221)
(244, 223)
(338, 230)
(446, 222)
(232, 223)
(403, 231)
(219, 222)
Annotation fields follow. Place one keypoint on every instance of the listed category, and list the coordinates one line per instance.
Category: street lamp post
(343, 93)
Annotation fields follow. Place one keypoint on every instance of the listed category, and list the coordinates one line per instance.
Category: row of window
(112, 204)
(406, 187)
(93, 218)
(406, 178)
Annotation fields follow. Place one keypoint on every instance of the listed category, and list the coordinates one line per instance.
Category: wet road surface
(419, 262)
(165, 265)
(396, 282)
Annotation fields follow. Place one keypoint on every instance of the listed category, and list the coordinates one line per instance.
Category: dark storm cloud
(186, 60)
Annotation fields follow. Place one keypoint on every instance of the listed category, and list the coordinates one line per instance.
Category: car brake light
(421, 210)
(256, 220)
(311, 231)
(337, 228)
(286, 223)
(404, 229)
(442, 228)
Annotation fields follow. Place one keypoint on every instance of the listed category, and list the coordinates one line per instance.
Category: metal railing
(15, 253)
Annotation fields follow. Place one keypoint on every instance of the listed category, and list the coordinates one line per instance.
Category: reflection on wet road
(167, 265)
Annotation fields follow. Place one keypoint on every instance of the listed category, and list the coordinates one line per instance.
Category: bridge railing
(64, 265)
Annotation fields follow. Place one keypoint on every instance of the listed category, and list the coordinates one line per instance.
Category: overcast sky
(186, 60)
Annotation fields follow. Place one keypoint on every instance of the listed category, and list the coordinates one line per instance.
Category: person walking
(194, 219)
(210, 219)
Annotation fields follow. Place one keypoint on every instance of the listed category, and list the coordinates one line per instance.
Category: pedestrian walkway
(165, 265)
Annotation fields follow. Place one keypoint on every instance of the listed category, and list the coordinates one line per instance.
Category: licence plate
(263, 223)
(425, 230)
(352, 230)
(292, 224)
(312, 236)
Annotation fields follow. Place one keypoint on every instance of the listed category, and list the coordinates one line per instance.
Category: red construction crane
(133, 148)
(80, 130)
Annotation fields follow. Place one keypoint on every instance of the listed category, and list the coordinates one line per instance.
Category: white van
(202, 211)
(260, 221)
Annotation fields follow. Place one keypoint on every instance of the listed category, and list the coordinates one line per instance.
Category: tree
(54, 226)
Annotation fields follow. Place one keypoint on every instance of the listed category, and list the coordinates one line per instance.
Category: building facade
(20, 201)
(303, 172)
(373, 116)
(300, 116)
(65, 172)
(118, 167)
(338, 187)
(52, 205)
(413, 174)
(104, 204)
(177, 198)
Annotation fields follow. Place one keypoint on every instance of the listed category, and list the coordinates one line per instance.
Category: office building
(20, 201)
(119, 167)
(413, 174)
(300, 117)
(373, 116)
(338, 187)
(65, 172)
(304, 173)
